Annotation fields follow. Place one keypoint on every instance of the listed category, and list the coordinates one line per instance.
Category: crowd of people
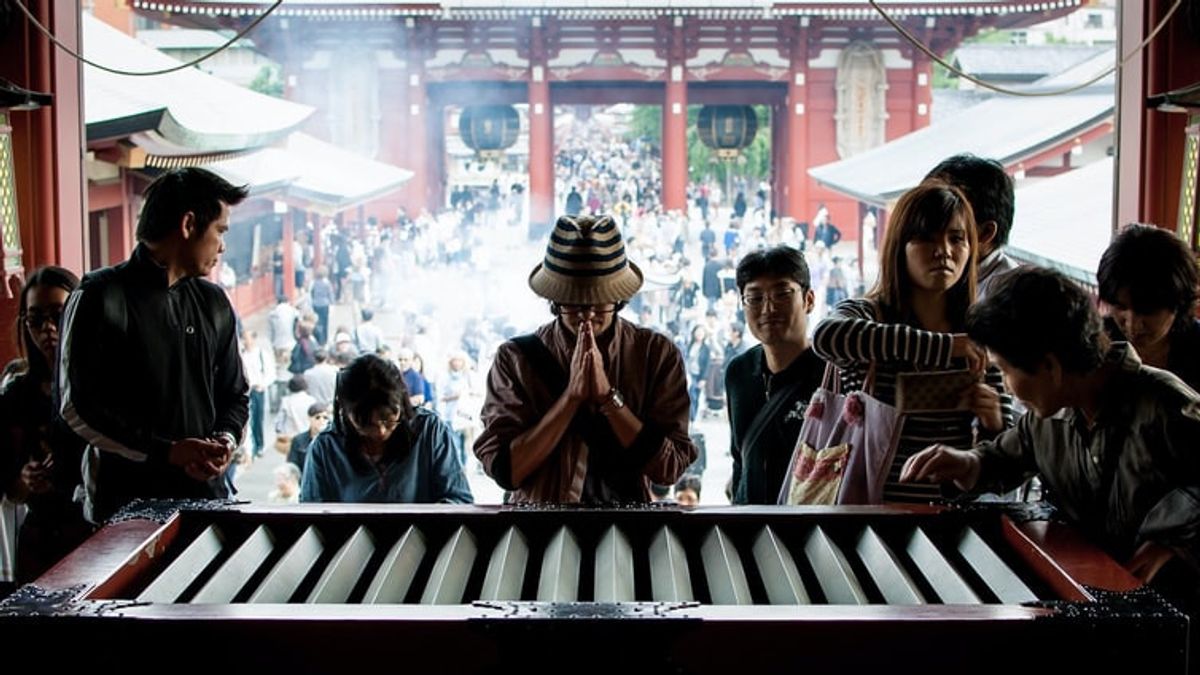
(140, 382)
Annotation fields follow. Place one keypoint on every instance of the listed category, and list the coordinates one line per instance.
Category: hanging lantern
(728, 129)
(489, 130)
(12, 271)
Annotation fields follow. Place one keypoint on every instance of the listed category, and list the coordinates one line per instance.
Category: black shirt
(758, 471)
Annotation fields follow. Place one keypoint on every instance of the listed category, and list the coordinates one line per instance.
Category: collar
(146, 268)
(992, 259)
(1116, 405)
(794, 371)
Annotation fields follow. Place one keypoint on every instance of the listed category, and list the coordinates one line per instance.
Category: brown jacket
(647, 369)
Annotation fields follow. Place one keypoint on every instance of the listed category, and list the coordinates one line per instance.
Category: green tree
(269, 81)
(646, 122)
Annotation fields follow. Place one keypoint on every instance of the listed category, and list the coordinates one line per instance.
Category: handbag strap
(832, 380)
(762, 419)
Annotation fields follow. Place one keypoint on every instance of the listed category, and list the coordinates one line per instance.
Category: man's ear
(810, 301)
(987, 233)
(187, 225)
(1054, 367)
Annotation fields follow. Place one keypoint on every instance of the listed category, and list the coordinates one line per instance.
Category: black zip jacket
(143, 365)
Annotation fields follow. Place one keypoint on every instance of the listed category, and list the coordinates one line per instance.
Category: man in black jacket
(768, 386)
(150, 374)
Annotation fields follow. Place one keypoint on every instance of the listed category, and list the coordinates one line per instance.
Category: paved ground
(493, 284)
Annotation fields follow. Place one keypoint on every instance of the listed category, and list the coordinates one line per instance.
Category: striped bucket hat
(585, 264)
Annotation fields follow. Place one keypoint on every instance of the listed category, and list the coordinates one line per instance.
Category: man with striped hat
(589, 408)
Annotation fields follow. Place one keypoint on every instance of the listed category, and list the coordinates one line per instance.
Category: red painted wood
(1056, 151)
(289, 263)
(674, 148)
(102, 196)
(120, 241)
(795, 161)
(1065, 560)
(102, 556)
(541, 137)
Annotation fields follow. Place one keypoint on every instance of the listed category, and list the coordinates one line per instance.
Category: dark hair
(297, 383)
(367, 314)
(179, 191)
(1033, 312)
(690, 481)
(317, 408)
(1157, 269)
(366, 385)
(660, 491)
(780, 261)
(924, 211)
(987, 186)
(54, 277)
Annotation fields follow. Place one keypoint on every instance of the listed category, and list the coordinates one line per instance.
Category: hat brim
(566, 290)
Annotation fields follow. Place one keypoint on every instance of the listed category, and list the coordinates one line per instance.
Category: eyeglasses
(778, 298)
(36, 320)
(581, 309)
(375, 420)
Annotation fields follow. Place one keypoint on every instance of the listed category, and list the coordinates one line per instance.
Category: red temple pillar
(922, 89)
(674, 126)
(779, 170)
(541, 139)
(318, 240)
(289, 262)
(796, 115)
(415, 142)
(120, 235)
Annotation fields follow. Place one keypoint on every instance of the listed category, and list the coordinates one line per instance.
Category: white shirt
(258, 366)
(281, 326)
(368, 337)
(293, 413)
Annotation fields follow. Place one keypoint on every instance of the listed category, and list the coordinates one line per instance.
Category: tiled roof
(315, 174)
(1065, 222)
(1006, 128)
(187, 109)
(1024, 63)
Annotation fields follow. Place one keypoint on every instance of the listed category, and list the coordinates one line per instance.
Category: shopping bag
(846, 446)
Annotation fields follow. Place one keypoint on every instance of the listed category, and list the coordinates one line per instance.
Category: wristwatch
(228, 440)
(614, 401)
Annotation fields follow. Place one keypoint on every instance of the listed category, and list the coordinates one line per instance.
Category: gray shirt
(1133, 477)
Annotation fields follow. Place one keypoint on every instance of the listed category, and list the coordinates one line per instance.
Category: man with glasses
(318, 419)
(150, 375)
(768, 386)
(590, 408)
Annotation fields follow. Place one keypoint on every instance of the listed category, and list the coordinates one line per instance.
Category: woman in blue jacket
(381, 449)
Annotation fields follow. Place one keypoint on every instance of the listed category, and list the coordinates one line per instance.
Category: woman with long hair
(379, 447)
(913, 320)
(40, 464)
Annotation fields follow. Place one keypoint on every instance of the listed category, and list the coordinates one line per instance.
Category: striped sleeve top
(852, 338)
